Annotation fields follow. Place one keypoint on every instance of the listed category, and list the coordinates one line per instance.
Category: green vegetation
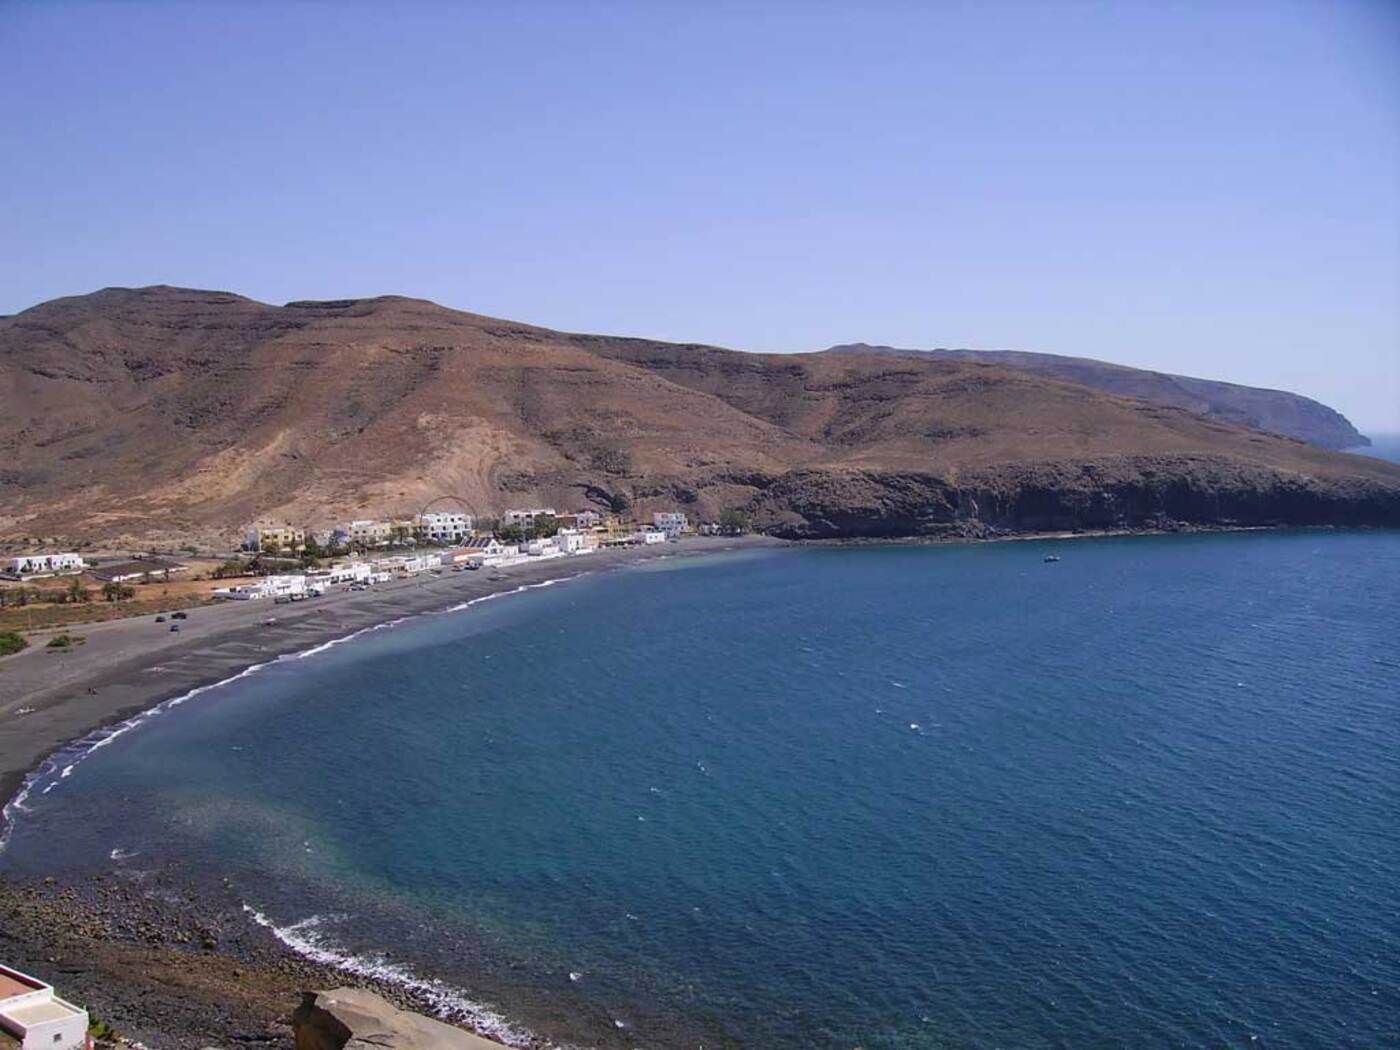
(116, 592)
(65, 641)
(734, 521)
(232, 567)
(18, 597)
(11, 642)
(101, 1030)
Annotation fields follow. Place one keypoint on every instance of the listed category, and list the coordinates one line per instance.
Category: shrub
(11, 642)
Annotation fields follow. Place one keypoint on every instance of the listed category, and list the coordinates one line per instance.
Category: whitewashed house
(572, 541)
(36, 1017)
(346, 572)
(443, 527)
(29, 566)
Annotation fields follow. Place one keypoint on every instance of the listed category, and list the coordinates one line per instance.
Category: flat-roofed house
(142, 569)
(265, 536)
(525, 519)
(443, 526)
(29, 566)
(671, 522)
(40, 1020)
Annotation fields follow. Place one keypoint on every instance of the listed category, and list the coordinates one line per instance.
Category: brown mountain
(1276, 411)
(163, 413)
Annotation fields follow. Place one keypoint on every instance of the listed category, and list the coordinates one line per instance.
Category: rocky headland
(166, 414)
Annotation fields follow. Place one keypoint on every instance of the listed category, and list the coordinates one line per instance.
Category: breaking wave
(307, 938)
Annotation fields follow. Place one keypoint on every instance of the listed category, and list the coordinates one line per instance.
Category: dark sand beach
(162, 963)
(49, 698)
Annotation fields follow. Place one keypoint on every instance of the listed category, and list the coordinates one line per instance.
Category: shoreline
(129, 668)
(68, 924)
(247, 644)
(104, 935)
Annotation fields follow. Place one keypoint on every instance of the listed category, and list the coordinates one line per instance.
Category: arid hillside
(163, 413)
(1276, 411)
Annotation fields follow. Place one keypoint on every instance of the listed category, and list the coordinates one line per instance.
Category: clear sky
(1203, 187)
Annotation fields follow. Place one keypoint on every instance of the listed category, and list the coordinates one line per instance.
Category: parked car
(160, 619)
(174, 626)
(179, 616)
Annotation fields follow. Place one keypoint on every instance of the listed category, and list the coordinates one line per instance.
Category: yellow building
(279, 537)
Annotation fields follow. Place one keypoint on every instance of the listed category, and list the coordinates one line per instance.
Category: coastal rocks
(360, 1020)
(1112, 493)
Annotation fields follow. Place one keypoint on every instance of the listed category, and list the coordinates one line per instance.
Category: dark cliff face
(1273, 411)
(1118, 493)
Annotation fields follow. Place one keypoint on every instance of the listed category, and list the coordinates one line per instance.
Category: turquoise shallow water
(887, 797)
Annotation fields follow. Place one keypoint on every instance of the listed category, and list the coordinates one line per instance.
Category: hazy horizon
(1207, 191)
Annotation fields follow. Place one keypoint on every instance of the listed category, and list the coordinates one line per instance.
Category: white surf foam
(307, 939)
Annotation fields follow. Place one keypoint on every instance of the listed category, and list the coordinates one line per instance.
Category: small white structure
(572, 541)
(40, 1020)
(649, 536)
(28, 566)
(277, 586)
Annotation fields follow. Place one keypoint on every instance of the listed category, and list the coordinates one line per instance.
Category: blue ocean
(888, 796)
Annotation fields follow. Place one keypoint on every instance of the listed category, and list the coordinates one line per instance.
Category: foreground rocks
(357, 1019)
(154, 964)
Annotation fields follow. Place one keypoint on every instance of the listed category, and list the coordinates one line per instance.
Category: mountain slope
(166, 413)
(1276, 411)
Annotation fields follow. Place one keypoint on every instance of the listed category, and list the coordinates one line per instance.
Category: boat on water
(1052, 557)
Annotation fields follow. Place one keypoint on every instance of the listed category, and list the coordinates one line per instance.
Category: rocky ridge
(165, 414)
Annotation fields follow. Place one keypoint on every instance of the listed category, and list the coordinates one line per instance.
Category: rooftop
(31, 1014)
(13, 983)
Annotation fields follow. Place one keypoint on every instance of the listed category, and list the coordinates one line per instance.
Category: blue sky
(1209, 188)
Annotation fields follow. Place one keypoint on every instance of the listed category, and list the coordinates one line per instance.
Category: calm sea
(952, 796)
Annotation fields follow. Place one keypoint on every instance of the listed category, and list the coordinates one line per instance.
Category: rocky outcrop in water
(355, 1019)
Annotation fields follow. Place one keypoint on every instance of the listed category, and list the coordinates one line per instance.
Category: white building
(277, 586)
(649, 536)
(28, 566)
(572, 541)
(671, 522)
(346, 572)
(587, 519)
(40, 1020)
(444, 527)
(526, 518)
